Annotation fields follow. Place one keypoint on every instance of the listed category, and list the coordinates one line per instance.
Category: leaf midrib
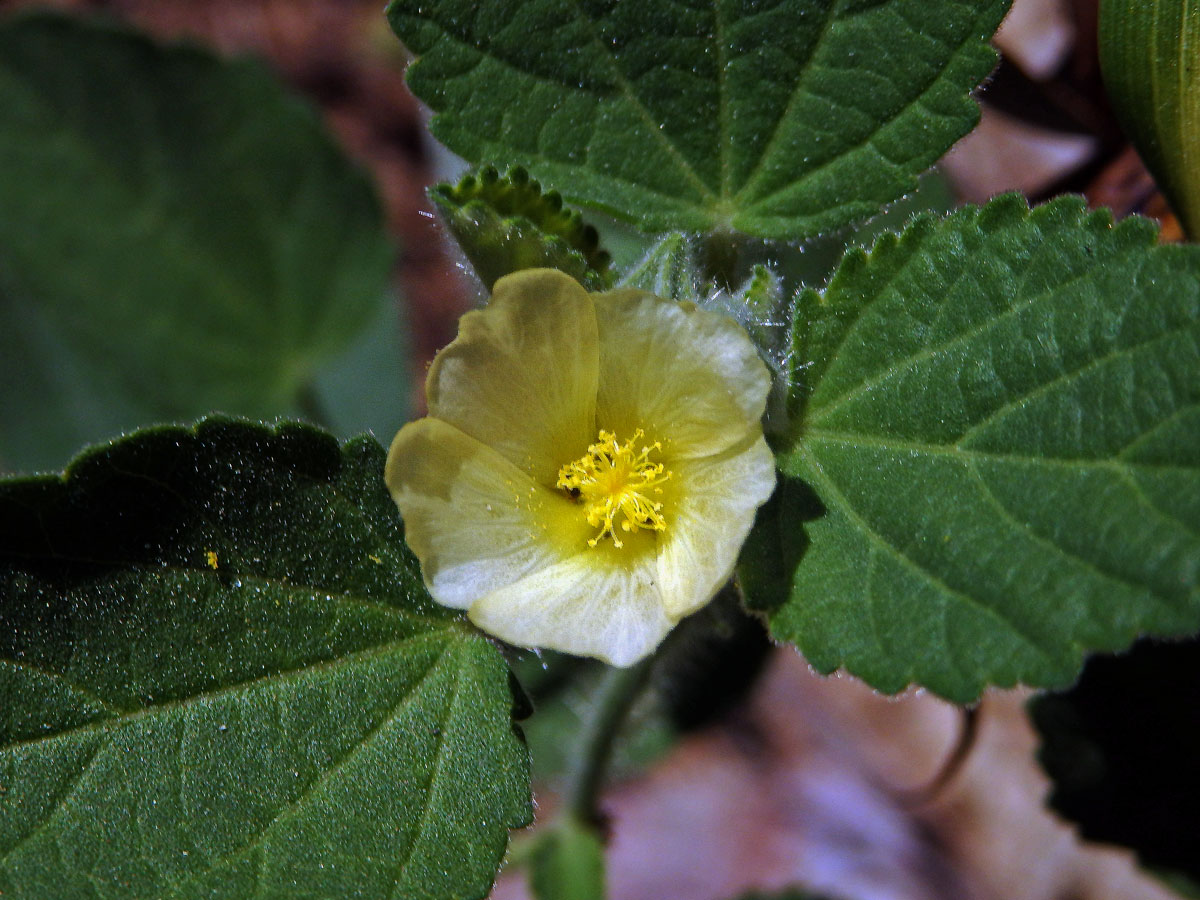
(113, 725)
(1099, 568)
(755, 174)
(685, 167)
(1122, 468)
(128, 717)
(965, 454)
(747, 205)
(434, 778)
(291, 808)
(834, 496)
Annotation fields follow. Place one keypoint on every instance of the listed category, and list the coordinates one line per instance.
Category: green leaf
(367, 388)
(1000, 414)
(222, 677)
(505, 224)
(568, 864)
(1121, 747)
(779, 120)
(177, 234)
(1150, 58)
(667, 270)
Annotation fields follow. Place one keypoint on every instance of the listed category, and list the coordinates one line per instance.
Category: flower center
(613, 478)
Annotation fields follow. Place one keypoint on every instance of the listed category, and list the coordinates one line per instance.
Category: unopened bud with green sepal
(505, 223)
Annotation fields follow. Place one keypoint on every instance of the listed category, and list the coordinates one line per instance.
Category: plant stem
(719, 255)
(613, 699)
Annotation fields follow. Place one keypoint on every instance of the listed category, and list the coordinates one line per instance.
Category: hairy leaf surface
(222, 677)
(999, 414)
(782, 119)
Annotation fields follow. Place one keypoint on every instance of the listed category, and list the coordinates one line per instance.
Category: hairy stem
(614, 697)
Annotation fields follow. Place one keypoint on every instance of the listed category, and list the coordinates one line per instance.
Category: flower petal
(689, 377)
(583, 605)
(476, 521)
(712, 505)
(521, 375)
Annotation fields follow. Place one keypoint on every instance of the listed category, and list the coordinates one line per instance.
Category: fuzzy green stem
(614, 697)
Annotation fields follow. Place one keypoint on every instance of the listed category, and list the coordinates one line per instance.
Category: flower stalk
(615, 696)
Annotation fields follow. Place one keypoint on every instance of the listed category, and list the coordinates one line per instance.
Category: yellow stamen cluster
(614, 478)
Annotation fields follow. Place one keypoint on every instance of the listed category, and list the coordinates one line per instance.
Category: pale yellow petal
(712, 503)
(583, 605)
(475, 521)
(521, 375)
(689, 377)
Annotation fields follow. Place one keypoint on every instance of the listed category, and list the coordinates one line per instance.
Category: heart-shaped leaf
(222, 677)
(999, 414)
(781, 120)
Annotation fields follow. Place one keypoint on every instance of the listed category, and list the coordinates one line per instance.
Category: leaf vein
(288, 675)
(929, 351)
(685, 167)
(1002, 509)
(757, 173)
(71, 683)
(880, 541)
(60, 802)
(725, 131)
(1149, 501)
(869, 139)
(899, 445)
(291, 807)
(434, 775)
(1066, 376)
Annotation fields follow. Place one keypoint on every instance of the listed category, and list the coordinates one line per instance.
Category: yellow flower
(589, 468)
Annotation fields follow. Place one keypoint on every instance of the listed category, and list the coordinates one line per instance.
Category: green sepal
(505, 223)
(668, 270)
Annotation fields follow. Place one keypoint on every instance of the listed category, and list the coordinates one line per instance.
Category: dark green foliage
(505, 224)
(178, 234)
(783, 119)
(1000, 414)
(221, 676)
(1121, 747)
